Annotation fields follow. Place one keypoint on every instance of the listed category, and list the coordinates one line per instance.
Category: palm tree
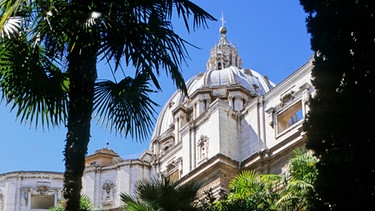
(49, 53)
(161, 195)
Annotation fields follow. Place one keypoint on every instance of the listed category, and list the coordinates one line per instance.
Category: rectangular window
(289, 116)
(42, 201)
(174, 176)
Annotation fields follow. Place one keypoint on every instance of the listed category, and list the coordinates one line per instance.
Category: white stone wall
(228, 131)
(103, 185)
(19, 189)
(211, 129)
(251, 142)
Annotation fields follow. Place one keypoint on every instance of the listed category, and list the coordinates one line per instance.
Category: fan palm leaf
(125, 106)
(162, 194)
(11, 27)
(35, 86)
(133, 204)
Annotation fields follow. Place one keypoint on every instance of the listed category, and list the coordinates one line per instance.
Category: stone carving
(173, 165)
(42, 189)
(202, 147)
(108, 193)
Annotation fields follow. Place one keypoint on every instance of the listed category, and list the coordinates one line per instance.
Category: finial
(107, 144)
(223, 29)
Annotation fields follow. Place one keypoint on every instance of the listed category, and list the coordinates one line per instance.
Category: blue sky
(271, 37)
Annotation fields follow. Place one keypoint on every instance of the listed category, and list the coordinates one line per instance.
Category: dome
(224, 70)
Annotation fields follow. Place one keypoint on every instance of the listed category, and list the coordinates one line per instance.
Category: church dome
(223, 70)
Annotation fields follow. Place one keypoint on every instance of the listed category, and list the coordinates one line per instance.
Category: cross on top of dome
(223, 29)
(222, 19)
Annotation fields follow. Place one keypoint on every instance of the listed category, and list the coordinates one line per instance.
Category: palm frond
(131, 204)
(288, 200)
(185, 8)
(125, 106)
(35, 85)
(142, 34)
(149, 47)
(303, 166)
(163, 194)
(85, 203)
(11, 27)
(299, 185)
(10, 9)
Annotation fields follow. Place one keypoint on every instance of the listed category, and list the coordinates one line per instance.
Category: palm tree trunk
(82, 70)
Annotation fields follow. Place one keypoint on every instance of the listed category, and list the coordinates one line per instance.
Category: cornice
(32, 174)
(290, 80)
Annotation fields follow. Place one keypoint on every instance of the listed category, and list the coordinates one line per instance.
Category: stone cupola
(223, 54)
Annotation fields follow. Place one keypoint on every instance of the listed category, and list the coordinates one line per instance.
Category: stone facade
(232, 119)
(107, 175)
(35, 191)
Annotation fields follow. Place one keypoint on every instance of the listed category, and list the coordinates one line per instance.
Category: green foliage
(254, 189)
(298, 192)
(85, 204)
(337, 126)
(251, 190)
(302, 166)
(161, 195)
